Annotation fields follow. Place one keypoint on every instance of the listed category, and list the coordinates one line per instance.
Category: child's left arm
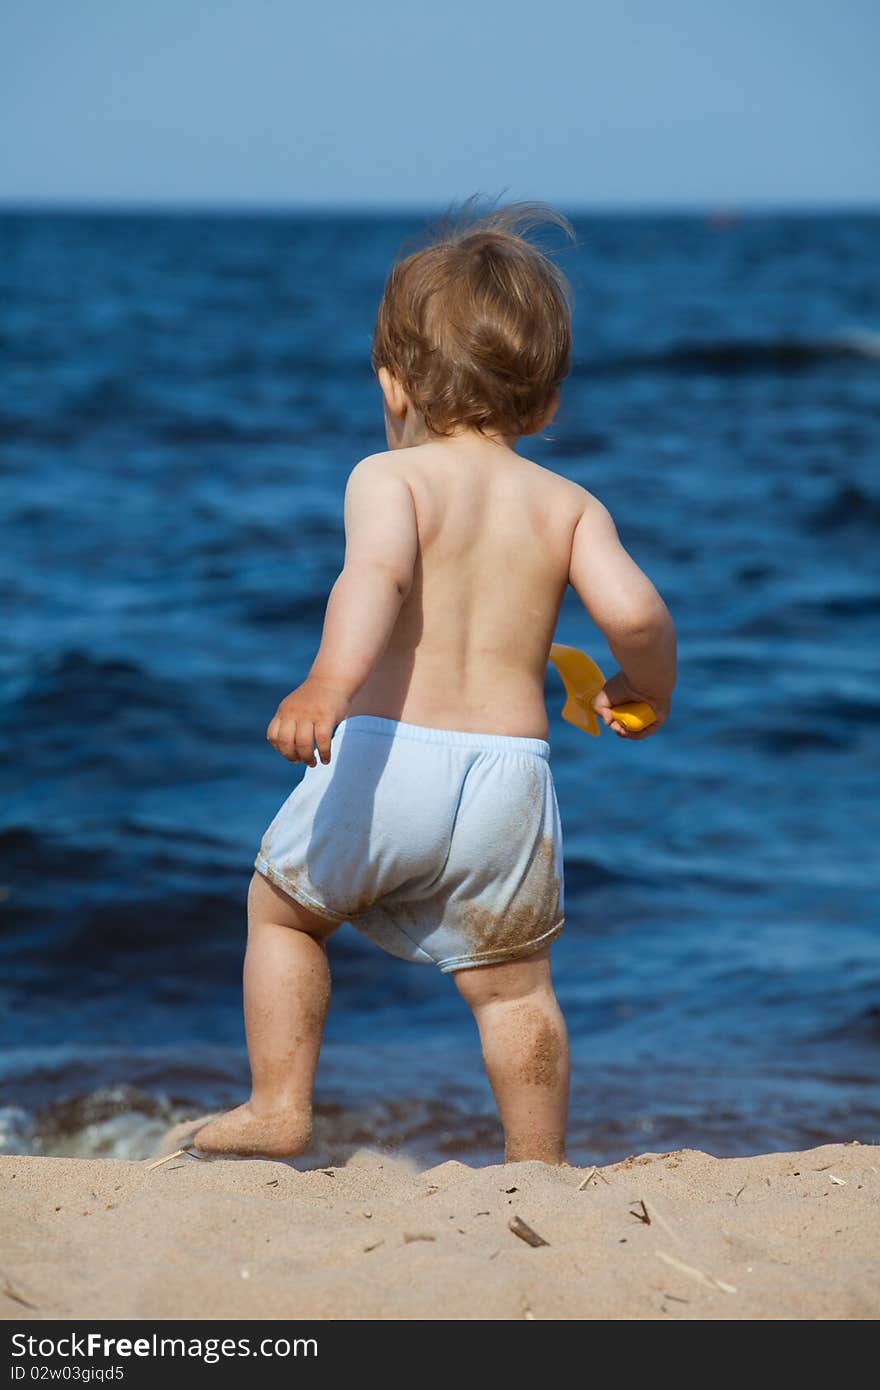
(381, 545)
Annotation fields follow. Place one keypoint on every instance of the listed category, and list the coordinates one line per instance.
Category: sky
(618, 104)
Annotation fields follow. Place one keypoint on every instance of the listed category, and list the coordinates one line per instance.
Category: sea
(181, 398)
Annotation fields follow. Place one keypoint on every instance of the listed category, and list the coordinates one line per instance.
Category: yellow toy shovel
(583, 680)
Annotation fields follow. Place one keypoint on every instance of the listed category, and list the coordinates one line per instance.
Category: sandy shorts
(440, 846)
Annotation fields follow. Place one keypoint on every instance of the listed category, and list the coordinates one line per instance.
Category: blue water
(180, 401)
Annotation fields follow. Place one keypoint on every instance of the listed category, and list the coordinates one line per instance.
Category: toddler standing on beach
(427, 816)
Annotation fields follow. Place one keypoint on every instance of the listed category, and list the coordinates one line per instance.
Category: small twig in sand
(17, 1297)
(157, 1163)
(409, 1237)
(643, 1215)
(838, 1182)
(593, 1174)
(374, 1246)
(707, 1280)
(524, 1231)
(736, 1195)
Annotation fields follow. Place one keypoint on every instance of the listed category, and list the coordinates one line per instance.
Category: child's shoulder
(383, 462)
(377, 476)
(575, 498)
(551, 478)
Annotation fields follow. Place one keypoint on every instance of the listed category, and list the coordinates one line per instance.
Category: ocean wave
(116, 1122)
(33, 429)
(783, 742)
(200, 930)
(281, 610)
(862, 1027)
(217, 429)
(41, 858)
(124, 1122)
(108, 397)
(583, 875)
(848, 505)
(740, 356)
(618, 1112)
(93, 686)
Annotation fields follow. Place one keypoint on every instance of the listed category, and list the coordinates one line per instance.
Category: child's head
(474, 331)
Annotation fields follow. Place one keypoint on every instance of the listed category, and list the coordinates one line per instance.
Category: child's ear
(396, 399)
(550, 410)
(546, 416)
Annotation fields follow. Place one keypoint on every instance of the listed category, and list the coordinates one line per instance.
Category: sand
(677, 1235)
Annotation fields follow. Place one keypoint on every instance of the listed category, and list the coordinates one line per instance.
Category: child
(427, 816)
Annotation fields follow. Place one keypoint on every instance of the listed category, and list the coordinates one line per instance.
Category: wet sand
(678, 1235)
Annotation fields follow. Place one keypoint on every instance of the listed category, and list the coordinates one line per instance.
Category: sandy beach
(675, 1235)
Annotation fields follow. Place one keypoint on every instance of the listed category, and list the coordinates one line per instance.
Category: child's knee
(511, 979)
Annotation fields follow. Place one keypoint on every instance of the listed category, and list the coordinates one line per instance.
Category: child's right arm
(632, 616)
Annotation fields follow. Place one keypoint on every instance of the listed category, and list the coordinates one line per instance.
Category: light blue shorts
(440, 846)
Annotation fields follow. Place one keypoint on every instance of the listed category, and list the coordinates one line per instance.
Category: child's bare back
(427, 816)
(494, 537)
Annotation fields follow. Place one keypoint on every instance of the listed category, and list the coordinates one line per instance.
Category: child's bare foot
(272, 1134)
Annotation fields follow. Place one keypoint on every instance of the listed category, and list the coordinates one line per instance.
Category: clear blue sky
(281, 102)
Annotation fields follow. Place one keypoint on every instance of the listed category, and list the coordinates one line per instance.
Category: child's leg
(286, 993)
(525, 1048)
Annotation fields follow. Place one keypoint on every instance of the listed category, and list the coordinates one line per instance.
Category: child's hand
(305, 719)
(618, 691)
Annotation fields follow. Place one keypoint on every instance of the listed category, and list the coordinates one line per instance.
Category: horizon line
(231, 208)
